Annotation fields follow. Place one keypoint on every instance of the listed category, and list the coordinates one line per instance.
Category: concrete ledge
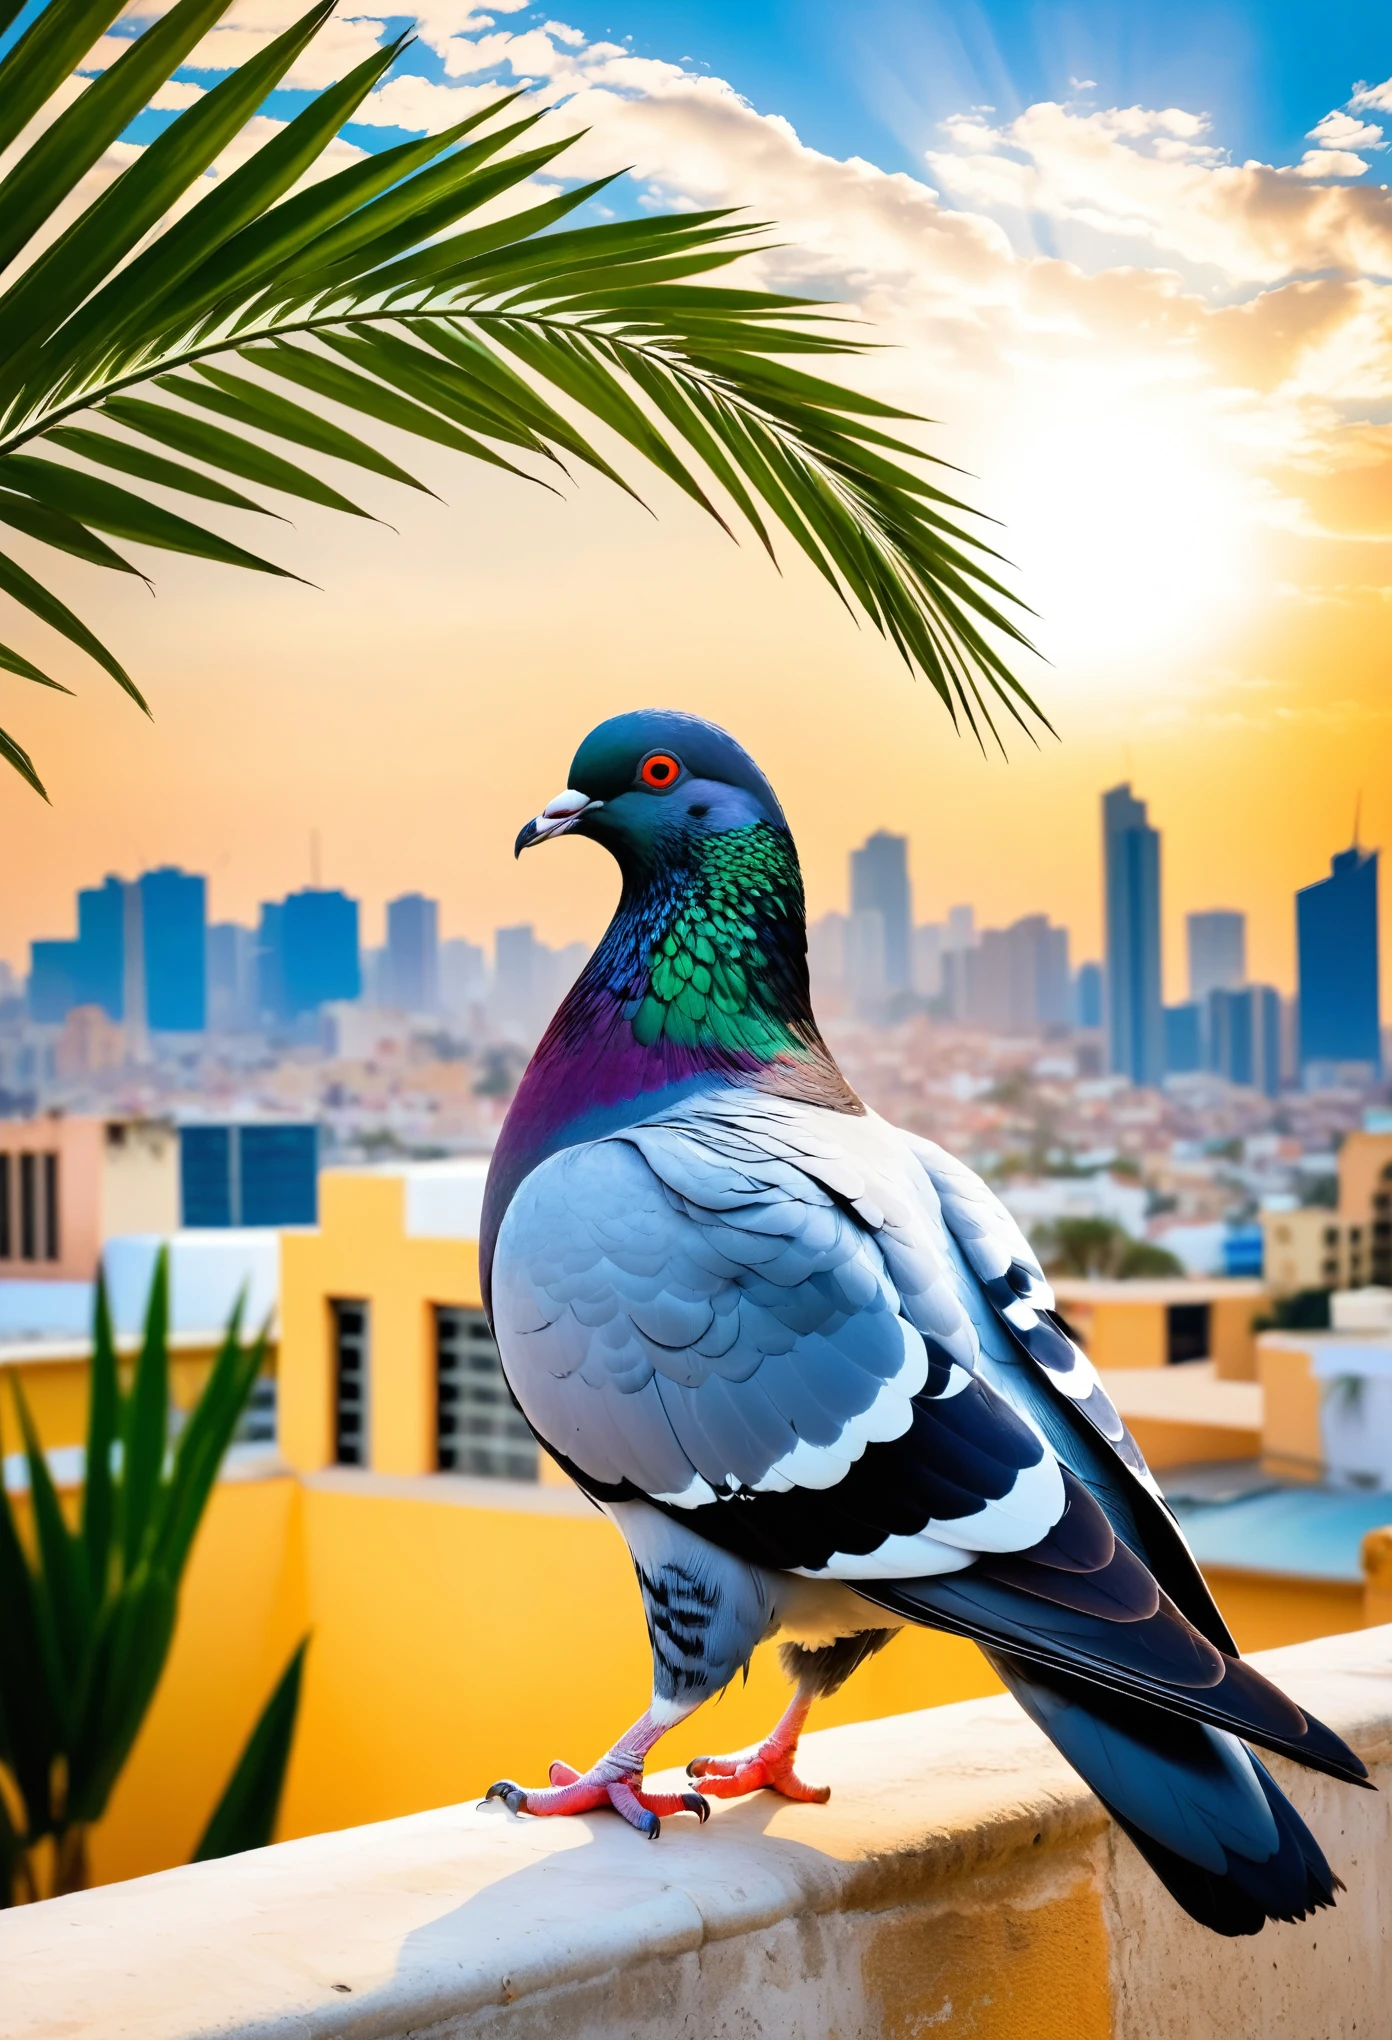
(961, 1880)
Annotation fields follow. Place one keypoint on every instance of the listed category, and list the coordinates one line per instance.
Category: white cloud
(1342, 131)
(1372, 98)
(1329, 162)
(175, 95)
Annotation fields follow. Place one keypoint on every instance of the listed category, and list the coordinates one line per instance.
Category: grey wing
(733, 1313)
(1015, 1285)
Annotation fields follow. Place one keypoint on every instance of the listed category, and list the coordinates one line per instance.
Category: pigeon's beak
(558, 816)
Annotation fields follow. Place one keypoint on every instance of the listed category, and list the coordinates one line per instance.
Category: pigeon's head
(652, 785)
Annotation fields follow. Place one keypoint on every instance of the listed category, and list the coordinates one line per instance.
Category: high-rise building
(139, 955)
(1087, 995)
(928, 947)
(1017, 978)
(1217, 952)
(517, 971)
(1184, 1036)
(867, 968)
(101, 911)
(880, 884)
(53, 980)
(1131, 868)
(319, 943)
(463, 975)
(413, 953)
(1242, 1036)
(1337, 938)
(232, 1001)
(173, 920)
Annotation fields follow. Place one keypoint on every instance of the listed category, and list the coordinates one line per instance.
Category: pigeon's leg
(705, 1612)
(616, 1780)
(773, 1765)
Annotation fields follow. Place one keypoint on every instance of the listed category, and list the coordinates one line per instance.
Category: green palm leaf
(375, 291)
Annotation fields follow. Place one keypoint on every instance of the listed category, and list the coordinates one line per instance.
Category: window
(1331, 1236)
(6, 1243)
(28, 1208)
(350, 1383)
(479, 1429)
(1187, 1332)
(52, 1248)
(257, 1424)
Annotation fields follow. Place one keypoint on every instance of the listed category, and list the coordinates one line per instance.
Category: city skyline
(1172, 406)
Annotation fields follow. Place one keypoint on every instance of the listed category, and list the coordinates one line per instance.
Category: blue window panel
(205, 1175)
(279, 1175)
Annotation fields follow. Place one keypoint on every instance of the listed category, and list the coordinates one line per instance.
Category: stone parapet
(961, 1881)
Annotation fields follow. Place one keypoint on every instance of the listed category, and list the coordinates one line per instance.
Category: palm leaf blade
(245, 1815)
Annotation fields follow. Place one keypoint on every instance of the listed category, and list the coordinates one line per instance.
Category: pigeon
(811, 1369)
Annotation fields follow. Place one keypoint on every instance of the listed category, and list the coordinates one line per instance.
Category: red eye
(660, 771)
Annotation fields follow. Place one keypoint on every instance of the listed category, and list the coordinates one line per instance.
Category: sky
(1135, 262)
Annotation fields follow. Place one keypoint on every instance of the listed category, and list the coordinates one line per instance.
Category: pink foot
(572, 1791)
(769, 1769)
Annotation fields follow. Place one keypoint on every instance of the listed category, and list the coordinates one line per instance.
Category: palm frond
(156, 336)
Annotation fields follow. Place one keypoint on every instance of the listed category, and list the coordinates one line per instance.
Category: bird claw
(769, 1769)
(572, 1791)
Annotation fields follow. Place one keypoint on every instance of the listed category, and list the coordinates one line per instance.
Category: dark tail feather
(1205, 1813)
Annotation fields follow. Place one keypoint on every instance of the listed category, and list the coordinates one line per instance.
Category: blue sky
(877, 76)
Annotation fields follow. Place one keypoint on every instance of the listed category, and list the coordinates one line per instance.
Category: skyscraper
(1242, 1034)
(880, 884)
(1017, 978)
(173, 917)
(413, 953)
(101, 941)
(1217, 952)
(1337, 937)
(319, 950)
(1131, 881)
(231, 977)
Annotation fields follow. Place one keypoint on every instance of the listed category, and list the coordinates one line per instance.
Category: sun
(1131, 520)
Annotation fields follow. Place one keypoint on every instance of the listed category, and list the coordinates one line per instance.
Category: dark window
(257, 1424)
(6, 1244)
(205, 1175)
(1187, 1332)
(1331, 1236)
(28, 1208)
(350, 1383)
(279, 1173)
(52, 1239)
(479, 1428)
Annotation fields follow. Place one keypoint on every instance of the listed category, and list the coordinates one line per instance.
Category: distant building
(101, 912)
(413, 953)
(249, 1174)
(69, 1183)
(307, 954)
(1017, 978)
(231, 977)
(867, 967)
(88, 1044)
(1217, 952)
(880, 884)
(928, 946)
(517, 975)
(1183, 1039)
(1131, 868)
(463, 975)
(1337, 939)
(827, 940)
(1242, 1037)
(173, 917)
(139, 954)
(1087, 995)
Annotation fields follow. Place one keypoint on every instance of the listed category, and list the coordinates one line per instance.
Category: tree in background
(1097, 1246)
(87, 1615)
(154, 337)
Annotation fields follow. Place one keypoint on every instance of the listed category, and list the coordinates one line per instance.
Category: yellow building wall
(1232, 1341)
(1291, 1409)
(1128, 1335)
(1175, 1444)
(360, 1251)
